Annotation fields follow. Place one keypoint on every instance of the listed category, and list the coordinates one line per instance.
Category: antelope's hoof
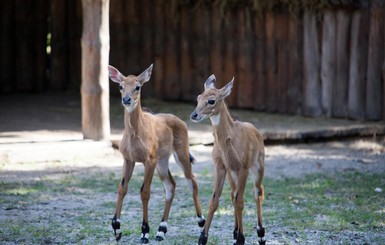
(144, 240)
(262, 242)
(202, 239)
(240, 239)
(159, 238)
(161, 233)
(118, 236)
(201, 221)
(115, 223)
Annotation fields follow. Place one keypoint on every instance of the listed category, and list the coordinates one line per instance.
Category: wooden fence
(317, 63)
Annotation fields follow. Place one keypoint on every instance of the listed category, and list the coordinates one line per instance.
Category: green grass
(317, 202)
(336, 203)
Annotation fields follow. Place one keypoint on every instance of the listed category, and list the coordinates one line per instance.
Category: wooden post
(95, 44)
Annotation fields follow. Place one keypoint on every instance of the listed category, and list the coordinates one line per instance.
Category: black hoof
(201, 222)
(118, 236)
(115, 223)
(144, 240)
(261, 235)
(159, 238)
(240, 239)
(202, 239)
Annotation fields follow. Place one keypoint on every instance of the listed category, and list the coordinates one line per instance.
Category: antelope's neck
(133, 120)
(222, 122)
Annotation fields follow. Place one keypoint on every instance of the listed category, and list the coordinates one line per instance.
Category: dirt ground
(42, 141)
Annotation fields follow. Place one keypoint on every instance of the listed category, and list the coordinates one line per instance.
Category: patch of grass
(333, 203)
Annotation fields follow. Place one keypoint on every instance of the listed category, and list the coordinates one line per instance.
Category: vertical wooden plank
(158, 48)
(117, 40)
(281, 34)
(133, 33)
(340, 88)
(374, 86)
(328, 60)
(146, 54)
(312, 88)
(117, 34)
(358, 63)
(23, 54)
(271, 97)
(171, 88)
(59, 45)
(74, 24)
(229, 68)
(245, 78)
(259, 61)
(185, 55)
(39, 42)
(7, 57)
(200, 48)
(216, 45)
(295, 50)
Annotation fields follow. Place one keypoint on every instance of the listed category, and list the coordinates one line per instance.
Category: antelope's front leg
(128, 168)
(149, 169)
(219, 180)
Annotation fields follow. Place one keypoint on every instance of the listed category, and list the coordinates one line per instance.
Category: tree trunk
(95, 44)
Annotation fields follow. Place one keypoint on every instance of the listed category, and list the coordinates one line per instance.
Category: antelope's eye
(211, 102)
(120, 87)
(137, 88)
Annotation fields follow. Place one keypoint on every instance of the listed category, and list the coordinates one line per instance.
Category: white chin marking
(215, 119)
(131, 107)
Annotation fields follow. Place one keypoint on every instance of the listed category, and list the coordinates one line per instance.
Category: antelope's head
(129, 86)
(209, 103)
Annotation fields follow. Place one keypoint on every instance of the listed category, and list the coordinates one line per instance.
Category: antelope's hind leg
(259, 195)
(128, 168)
(169, 189)
(184, 159)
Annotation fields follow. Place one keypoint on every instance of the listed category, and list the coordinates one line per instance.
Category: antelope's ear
(114, 74)
(145, 75)
(226, 90)
(210, 82)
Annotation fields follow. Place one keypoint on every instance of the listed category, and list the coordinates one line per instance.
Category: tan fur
(150, 139)
(238, 150)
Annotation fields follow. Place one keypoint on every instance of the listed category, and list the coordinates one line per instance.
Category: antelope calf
(151, 139)
(238, 150)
